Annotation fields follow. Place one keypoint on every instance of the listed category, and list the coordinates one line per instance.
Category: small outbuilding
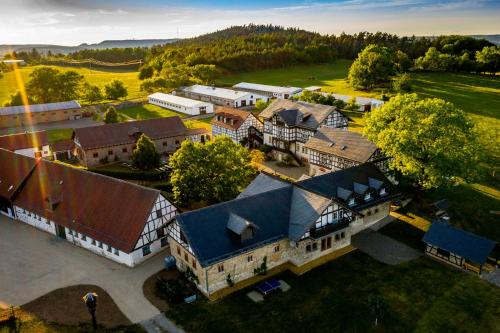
(459, 248)
(180, 104)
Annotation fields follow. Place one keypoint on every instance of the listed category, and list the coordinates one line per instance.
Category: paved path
(78, 123)
(294, 172)
(34, 263)
(383, 248)
(160, 323)
(492, 277)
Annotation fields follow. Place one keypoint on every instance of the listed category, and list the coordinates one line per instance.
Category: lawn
(419, 296)
(59, 134)
(99, 77)
(147, 111)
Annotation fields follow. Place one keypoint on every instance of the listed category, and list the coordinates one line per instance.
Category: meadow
(99, 77)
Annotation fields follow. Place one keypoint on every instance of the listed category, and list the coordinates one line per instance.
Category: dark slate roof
(298, 113)
(263, 183)
(207, 233)
(467, 245)
(351, 179)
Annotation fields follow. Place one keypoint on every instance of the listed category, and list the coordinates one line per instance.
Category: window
(158, 213)
(368, 213)
(95, 155)
(382, 191)
(84, 238)
(116, 252)
(93, 242)
(277, 248)
(337, 237)
(329, 242)
(368, 196)
(160, 232)
(110, 249)
(193, 263)
(100, 244)
(110, 152)
(314, 246)
(308, 248)
(375, 210)
(124, 150)
(250, 258)
(146, 250)
(342, 235)
(165, 143)
(178, 250)
(220, 268)
(186, 258)
(352, 201)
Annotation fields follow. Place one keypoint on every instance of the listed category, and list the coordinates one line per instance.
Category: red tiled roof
(62, 145)
(123, 133)
(14, 169)
(24, 140)
(103, 208)
(239, 117)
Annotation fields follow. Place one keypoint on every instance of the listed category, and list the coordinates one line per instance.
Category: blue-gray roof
(263, 183)
(11, 110)
(336, 184)
(467, 245)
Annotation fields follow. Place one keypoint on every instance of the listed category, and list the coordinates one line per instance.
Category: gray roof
(298, 113)
(263, 183)
(343, 143)
(12, 110)
(278, 211)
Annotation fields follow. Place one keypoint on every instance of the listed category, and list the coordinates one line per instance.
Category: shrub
(170, 290)
(401, 83)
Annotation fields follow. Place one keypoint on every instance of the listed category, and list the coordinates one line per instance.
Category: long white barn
(180, 104)
(268, 90)
(222, 96)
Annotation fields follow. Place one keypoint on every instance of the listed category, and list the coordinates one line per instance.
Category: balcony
(341, 224)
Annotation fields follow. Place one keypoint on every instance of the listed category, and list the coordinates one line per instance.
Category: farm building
(222, 96)
(180, 104)
(283, 225)
(31, 144)
(115, 219)
(365, 103)
(267, 90)
(62, 149)
(112, 142)
(459, 248)
(332, 149)
(234, 123)
(288, 125)
(14, 170)
(16, 116)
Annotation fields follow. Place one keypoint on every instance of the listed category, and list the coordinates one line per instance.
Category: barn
(180, 104)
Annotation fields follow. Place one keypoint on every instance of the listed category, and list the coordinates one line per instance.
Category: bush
(115, 90)
(170, 290)
(110, 116)
(265, 148)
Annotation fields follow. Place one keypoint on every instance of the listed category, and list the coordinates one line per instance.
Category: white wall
(30, 152)
(191, 110)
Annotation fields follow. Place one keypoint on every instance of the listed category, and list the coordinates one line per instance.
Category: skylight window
(368, 196)
(352, 202)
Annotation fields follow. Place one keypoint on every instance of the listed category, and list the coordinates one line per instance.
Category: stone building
(115, 142)
(276, 223)
(17, 116)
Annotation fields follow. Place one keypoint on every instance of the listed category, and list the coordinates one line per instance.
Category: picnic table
(267, 286)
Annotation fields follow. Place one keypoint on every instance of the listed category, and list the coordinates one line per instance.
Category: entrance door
(243, 102)
(61, 232)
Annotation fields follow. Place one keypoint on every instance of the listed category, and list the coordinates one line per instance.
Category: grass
(59, 134)
(147, 111)
(419, 296)
(99, 77)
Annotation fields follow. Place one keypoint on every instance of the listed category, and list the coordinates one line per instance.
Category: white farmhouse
(268, 90)
(31, 144)
(180, 104)
(222, 96)
(115, 219)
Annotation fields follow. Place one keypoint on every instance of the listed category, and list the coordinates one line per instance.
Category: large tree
(373, 67)
(110, 116)
(115, 90)
(488, 59)
(429, 140)
(145, 156)
(212, 172)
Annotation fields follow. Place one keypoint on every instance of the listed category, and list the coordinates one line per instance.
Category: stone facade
(28, 119)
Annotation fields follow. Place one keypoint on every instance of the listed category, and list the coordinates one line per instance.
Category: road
(33, 263)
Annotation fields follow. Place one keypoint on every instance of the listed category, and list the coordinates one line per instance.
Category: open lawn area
(419, 296)
(99, 77)
(147, 111)
(59, 134)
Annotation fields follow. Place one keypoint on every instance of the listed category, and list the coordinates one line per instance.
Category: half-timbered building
(118, 220)
(280, 224)
(234, 123)
(332, 149)
(288, 125)
(460, 248)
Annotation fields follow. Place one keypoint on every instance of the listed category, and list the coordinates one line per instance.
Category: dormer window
(368, 196)
(352, 202)
(382, 191)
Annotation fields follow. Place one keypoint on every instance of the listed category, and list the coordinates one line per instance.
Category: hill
(107, 44)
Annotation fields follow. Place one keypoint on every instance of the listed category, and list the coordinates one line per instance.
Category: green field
(147, 111)
(419, 296)
(99, 77)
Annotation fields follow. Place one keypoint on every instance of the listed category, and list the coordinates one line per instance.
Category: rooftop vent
(240, 227)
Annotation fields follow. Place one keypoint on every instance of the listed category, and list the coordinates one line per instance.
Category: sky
(72, 22)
